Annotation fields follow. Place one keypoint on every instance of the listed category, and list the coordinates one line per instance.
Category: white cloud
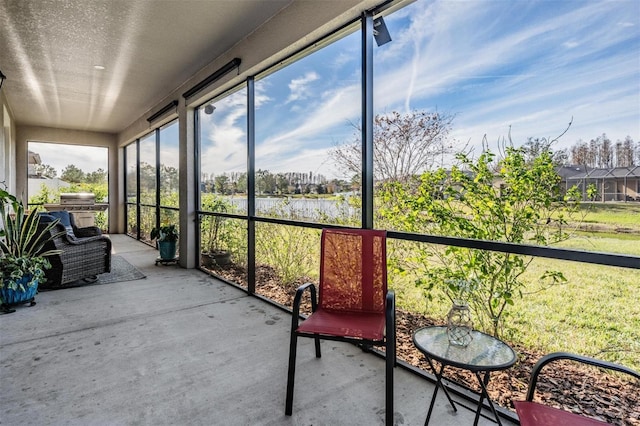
(224, 145)
(59, 156)
(500, 66)
(571, 44)
(298, 86)
(456, 57)
(337, 108)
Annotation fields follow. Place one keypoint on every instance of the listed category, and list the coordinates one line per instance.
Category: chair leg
(318, 354)
(390, 363)
(390, 357)
(291, 374)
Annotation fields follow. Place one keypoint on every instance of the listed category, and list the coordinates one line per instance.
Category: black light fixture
(380, 32)
(232, 64)
(209, 108)
(164, 110)
(2, 79)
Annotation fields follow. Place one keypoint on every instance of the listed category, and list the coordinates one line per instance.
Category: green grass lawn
(595, 313)
(612, 215)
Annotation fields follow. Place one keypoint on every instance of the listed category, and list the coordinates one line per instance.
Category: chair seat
(368, 326)
(532, 413)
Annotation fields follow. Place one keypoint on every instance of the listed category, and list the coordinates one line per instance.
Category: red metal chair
(353, 305)
(533, 413)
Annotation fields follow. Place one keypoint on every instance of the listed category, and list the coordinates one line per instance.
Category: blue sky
(528, 66)
(524, 67)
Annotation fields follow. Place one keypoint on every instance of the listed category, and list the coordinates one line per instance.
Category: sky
(59, 156)
(504, 69)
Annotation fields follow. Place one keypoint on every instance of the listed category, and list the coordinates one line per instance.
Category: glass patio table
(483, 355)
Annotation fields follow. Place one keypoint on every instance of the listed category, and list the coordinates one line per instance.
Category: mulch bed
(596, 393)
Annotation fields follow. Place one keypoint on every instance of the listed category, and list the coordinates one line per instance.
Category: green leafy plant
(168, 233)
(22, 244)
(14, 269)
(459, 290)
(223, 239)
(291, 251)
(512, 200)
(216, 230)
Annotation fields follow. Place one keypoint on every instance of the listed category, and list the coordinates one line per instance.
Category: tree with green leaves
(520, 203)
(72, 174)
(44, 196)
(221, 184)
(99, 176)
(282, 183)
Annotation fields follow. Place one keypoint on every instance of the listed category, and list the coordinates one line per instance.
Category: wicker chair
(85, 253)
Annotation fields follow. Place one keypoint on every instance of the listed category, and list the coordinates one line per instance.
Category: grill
(82, 205)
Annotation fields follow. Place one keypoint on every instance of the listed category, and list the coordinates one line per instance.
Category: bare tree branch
(404, 145)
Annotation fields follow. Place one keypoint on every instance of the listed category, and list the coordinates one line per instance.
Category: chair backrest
(66, 219)
(353, 270)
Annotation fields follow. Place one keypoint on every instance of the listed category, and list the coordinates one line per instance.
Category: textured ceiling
(48, 50)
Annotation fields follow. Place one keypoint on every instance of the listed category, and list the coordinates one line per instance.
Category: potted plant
(167, 236)
(23, 258)
(213, 253)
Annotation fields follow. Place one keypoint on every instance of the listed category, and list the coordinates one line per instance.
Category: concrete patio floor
(182, 348)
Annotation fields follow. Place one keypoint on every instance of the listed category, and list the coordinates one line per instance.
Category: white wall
(7, 147)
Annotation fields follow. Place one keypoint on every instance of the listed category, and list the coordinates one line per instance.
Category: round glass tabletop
(484, 353)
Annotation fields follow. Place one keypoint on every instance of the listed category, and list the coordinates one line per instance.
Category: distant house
(36, 180)
(34, 160)
(53, 185)
(612, 184)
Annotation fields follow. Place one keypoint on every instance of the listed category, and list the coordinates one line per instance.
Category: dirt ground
(567, 385)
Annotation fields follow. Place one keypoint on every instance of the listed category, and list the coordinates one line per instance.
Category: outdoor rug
(121, 270)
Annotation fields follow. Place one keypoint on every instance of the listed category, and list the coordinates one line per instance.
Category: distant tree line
(72, 174)
(268, 183)
(601, 152)
(231, 183)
